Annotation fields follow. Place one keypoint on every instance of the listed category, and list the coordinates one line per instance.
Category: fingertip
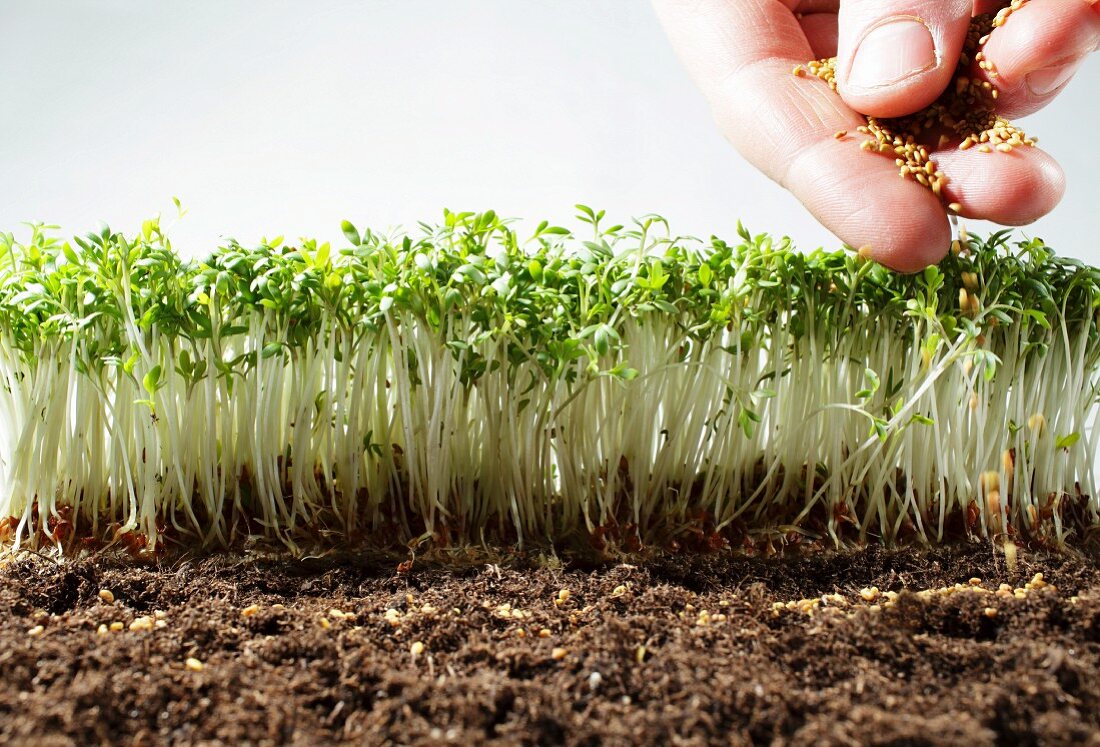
(897, 58)
(1013, 189)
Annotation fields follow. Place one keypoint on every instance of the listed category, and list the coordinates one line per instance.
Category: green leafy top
(554, 297)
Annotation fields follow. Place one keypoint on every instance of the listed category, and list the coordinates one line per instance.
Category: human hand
(894, 57)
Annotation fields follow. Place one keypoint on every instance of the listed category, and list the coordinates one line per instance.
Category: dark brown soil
(686, 650)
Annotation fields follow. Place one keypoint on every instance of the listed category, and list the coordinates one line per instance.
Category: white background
(270, 118)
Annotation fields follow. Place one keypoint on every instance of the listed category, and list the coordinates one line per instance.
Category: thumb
(895, 57)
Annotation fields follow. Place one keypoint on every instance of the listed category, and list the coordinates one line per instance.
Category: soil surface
(675, 650)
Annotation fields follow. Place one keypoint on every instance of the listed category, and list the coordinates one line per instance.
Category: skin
(741, 53)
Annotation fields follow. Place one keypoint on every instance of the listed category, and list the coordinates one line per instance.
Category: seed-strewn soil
(684, 650)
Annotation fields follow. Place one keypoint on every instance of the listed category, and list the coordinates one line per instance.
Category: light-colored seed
(107, 596)
(250, 610)
(142, 624)
(117, 626)
(1037, 423)
(558, 654)
(417, 648)
(990, 612)
(1032, 515)
(975, 582)
(101, 630)
(840, 135)
(193, 664)
(36, 631)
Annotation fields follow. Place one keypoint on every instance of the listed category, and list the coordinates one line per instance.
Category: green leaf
(1064, 442)
(151, 381)
(350, 231)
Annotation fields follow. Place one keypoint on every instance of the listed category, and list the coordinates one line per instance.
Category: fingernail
(892, 51)
(1050, 79)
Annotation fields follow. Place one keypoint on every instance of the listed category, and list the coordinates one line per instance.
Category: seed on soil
(324, 623)
(143, 623)
(545, 633)
(193, 664)
(107, 596)
(393, 617)
(975, 582)
(869, 594)
(250, 610)
(618, 591)
(558, 653)
(337, 614)
(416, 649)
(563, 597)
(36, 631)
(116, 626)
(101, 630)
(277, 607)
(990, 612)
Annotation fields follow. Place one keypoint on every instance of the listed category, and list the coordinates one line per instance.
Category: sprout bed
(463, 383)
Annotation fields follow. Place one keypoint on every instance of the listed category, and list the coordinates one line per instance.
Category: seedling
(464, 384)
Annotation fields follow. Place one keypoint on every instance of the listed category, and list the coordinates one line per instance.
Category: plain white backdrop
(273, 117)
